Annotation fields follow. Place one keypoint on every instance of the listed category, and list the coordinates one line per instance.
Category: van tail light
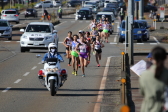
(40, 74)
(16, 15)
(4, 15)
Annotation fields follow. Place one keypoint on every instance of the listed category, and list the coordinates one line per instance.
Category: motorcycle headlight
(51, 69)
(48, 37)
(139, 32)
(123, 32)
(25, 37)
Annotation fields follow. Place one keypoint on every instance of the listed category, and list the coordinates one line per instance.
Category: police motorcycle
(52, 76)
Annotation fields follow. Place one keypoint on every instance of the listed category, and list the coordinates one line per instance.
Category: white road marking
(17, 25)
(17, 81)
(7, 41)
(27, 73)
(60, 42)
(153, 43)
(156, 40)
(140, 43)
(102, 85)
(115, 38)
(112, 43)
(60, 24)
(34, 67)
(6, 89)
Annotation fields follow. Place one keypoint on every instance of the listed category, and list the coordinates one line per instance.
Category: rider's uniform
(52, 55)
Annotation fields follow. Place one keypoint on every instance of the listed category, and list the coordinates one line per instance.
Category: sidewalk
(136, 96)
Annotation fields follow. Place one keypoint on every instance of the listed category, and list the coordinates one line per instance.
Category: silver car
(5, 29)
(10, 15)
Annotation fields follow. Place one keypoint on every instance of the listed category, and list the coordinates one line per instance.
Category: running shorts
(98, 51)
(83, 55)
(105, 31)
(74, 53)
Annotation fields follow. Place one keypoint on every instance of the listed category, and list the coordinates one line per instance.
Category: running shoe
(98, 65)
(83, 75)
(73, 72)
(79, 66)
(107, 41)
(69, 65)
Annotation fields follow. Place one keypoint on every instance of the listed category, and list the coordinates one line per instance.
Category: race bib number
(82, 48)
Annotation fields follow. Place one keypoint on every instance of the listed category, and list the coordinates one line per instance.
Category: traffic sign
(162, 12)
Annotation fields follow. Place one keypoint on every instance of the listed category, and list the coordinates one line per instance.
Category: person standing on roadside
(153, 82)
(46, 14)
(121, 14)
(60, 12)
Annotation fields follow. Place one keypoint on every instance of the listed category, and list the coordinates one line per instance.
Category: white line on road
(27, 73)
(156, 40)
(7, 41)
(6, 89)
(102, 85)
(115, 38)
(153, 43)
(34, 67)
(112, 43)
(17, 81)
(140, 43)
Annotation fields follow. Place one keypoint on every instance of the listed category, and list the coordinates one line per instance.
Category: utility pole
(141, 9)
(130, 30)
(136, 10)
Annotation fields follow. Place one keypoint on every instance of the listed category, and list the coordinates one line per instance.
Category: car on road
(45, 4)
(113, 6)
(138, 30)
(10, 15)
(74, 3)
(30, 13)
(5, 29)
(84, 13)
(146, 32)
(57, 3)
(38, 35)
(90, 4)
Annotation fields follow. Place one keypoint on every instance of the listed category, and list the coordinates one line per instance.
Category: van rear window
(10, 12)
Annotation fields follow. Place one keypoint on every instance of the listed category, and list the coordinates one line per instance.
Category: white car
(38, 35)
(45, 4)
(57, 3)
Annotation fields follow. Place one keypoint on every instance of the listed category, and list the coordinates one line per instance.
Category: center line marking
(27, 73)
(34, 67)
(17, 81)
(153, 43)
(6, 89)
(112, 43)
(139, 43)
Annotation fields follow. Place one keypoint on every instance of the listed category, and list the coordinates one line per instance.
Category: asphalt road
(22, 91)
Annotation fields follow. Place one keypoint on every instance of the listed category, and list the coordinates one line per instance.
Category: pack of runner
(79, 46)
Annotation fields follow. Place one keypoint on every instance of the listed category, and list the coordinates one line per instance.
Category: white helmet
(52, 45)
(59, 7)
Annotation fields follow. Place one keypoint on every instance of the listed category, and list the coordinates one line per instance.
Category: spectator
(153, 82)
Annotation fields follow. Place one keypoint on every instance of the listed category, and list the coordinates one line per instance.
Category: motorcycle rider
(52, 53)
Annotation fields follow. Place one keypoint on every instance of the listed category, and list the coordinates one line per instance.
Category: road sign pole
(130, 30)
(141, 9)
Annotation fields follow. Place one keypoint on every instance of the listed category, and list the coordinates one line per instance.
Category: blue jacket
(49, 55)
